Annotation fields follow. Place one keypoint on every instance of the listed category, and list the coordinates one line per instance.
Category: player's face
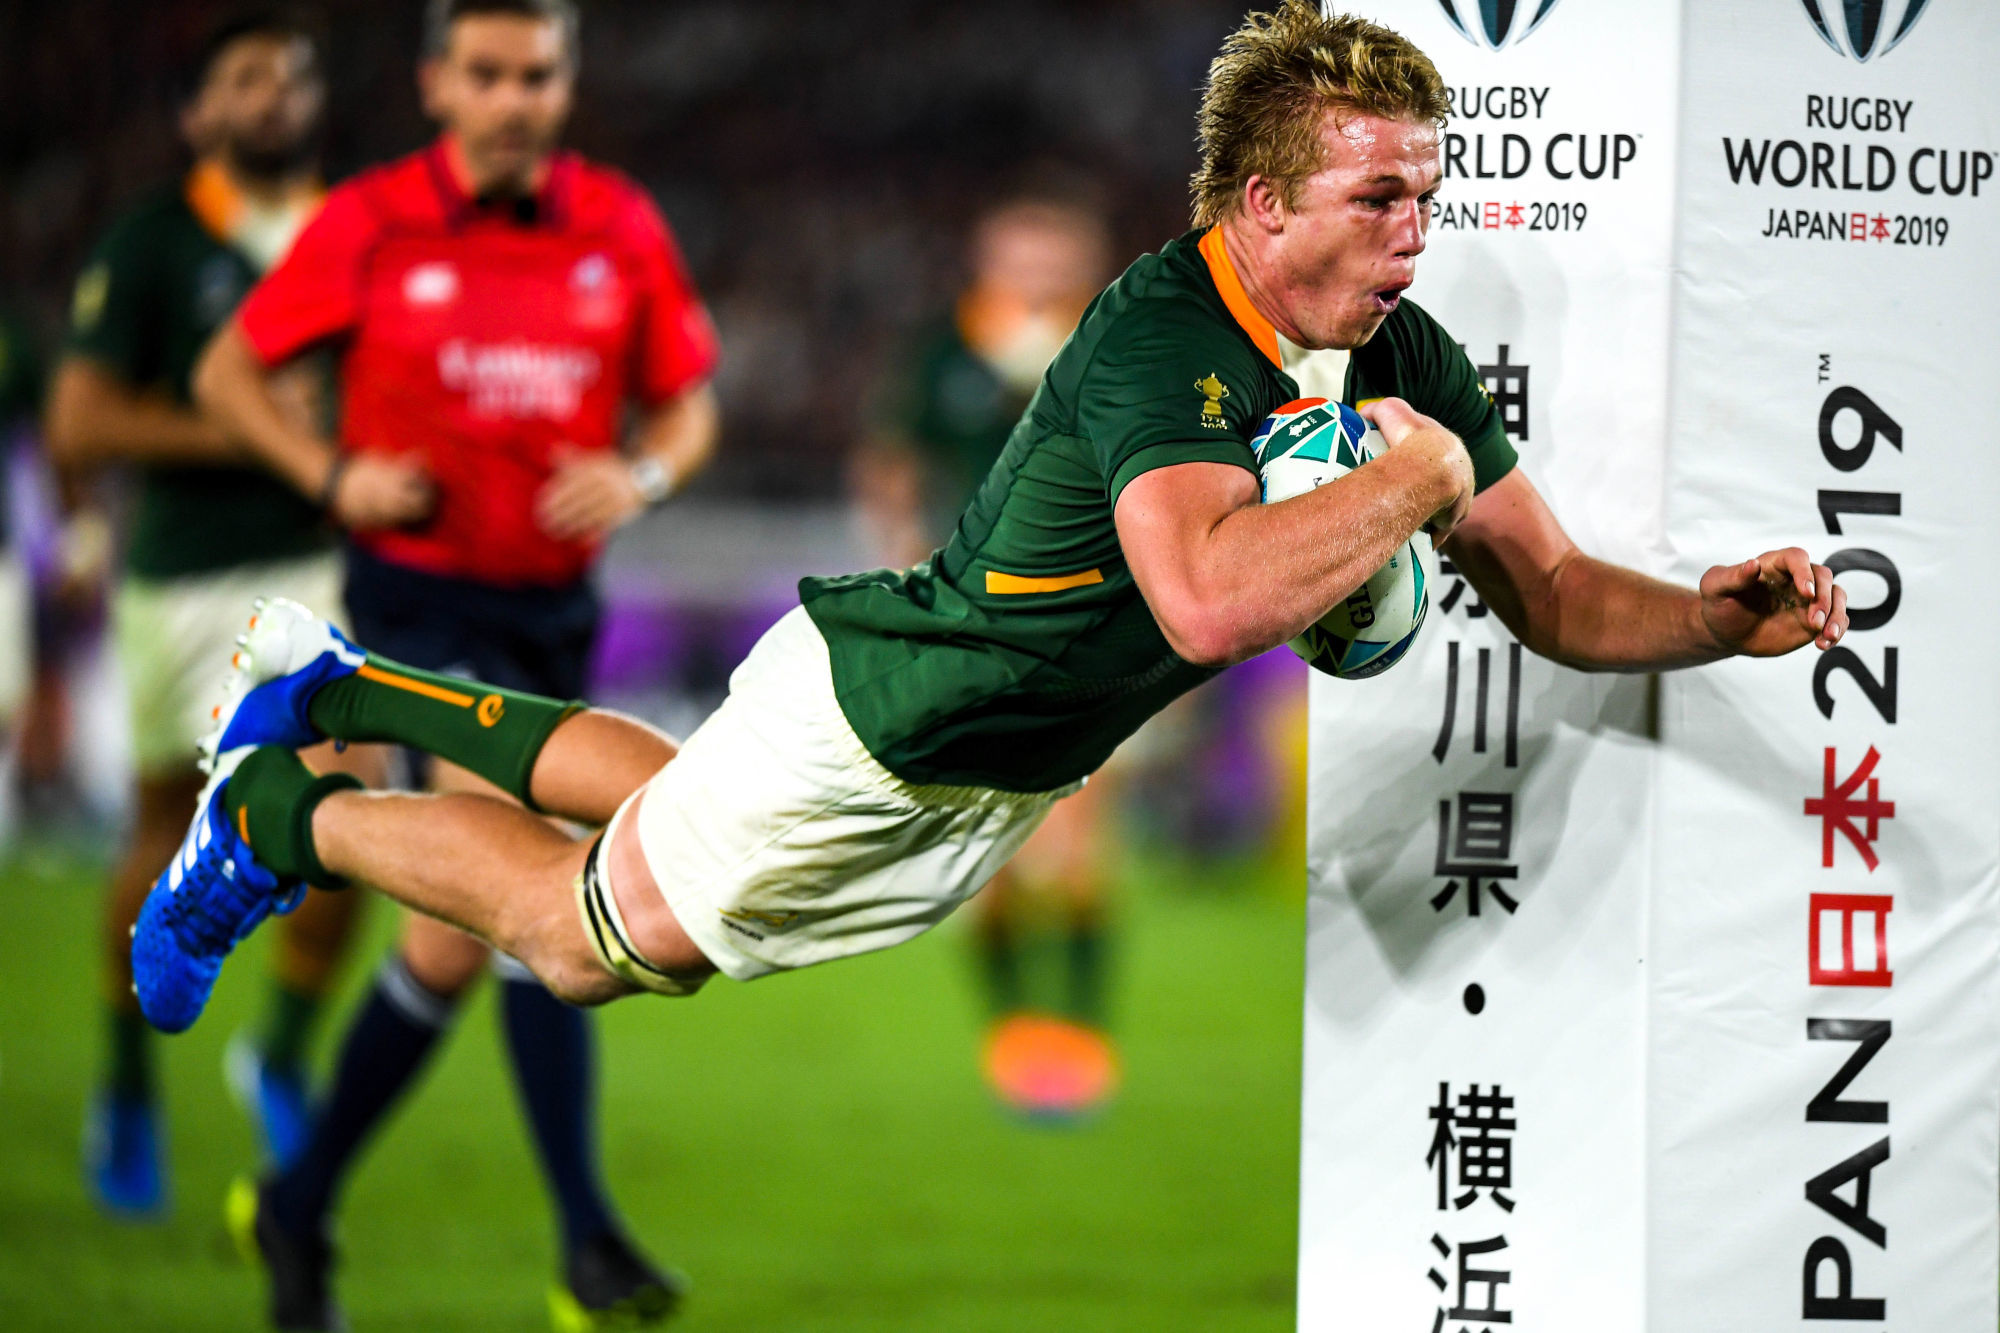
(1351, 240)
(1046, 261)
(260, 105)
(502, 87)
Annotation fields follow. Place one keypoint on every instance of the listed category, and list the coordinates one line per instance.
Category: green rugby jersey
(955, 410)
(158, 285)
(1021, 654)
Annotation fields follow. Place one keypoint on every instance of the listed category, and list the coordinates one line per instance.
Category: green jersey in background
(158, 285)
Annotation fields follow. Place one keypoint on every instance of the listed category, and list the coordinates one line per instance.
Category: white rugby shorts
(780, 842)
(174, 638)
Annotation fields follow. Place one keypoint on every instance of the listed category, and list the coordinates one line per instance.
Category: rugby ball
(1304, 445)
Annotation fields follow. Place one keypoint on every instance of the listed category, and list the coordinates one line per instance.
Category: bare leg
(444, 959)
(312, 941)
(503, 874)
(593, 761)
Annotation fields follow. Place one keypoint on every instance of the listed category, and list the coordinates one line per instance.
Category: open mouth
(1388, 298)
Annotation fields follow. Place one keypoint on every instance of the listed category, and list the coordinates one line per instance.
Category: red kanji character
(1837, 809)
(1857, 226)
(1849, 906)
(1880, 231)
(1489, 216)
(1516, 215)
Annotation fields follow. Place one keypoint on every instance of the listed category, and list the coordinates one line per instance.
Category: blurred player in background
(20, 401)
(1036, 261)
(498, 305)
(209, 525)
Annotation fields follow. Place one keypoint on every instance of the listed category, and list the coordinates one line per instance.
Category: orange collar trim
(215, 202)
(1223, 273)
(220, 207)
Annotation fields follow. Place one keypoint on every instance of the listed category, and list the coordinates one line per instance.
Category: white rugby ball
(1306, 444)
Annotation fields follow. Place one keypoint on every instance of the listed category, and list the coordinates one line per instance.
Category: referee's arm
(591, 493)
(235, 387)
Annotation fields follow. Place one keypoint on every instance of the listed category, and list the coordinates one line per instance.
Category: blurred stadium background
(816, 1151)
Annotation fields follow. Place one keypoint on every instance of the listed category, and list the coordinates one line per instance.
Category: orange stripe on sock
(243, 823)
(423, 687)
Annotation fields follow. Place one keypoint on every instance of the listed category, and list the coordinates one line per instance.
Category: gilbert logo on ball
(1305, 445)
(1496, 24)
(1863, 29)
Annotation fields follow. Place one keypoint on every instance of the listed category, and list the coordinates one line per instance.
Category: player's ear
(194, 126)
(1264, 203)
(430, 80)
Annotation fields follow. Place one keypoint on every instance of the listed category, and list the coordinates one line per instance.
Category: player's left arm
(1596, 616)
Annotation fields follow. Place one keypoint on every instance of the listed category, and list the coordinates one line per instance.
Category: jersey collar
(226, 214)
(542, 208)
(1230, 288)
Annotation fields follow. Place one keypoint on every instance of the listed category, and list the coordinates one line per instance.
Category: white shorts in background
(780, 842)
(174, 639)
(17, 639)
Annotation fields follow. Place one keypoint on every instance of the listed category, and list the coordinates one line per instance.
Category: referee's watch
(655, 479)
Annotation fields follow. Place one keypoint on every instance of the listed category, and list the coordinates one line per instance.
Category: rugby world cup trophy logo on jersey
(1864, 29)
(1496, 24)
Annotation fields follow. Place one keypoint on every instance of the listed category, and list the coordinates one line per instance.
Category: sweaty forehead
(1365, 148)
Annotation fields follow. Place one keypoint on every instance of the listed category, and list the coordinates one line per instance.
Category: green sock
(1085, 955)
(493, 732)
(1000, 962)
(130, 1077)
(272, 796)
(288, 1025)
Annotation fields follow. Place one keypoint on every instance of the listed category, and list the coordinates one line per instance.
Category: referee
(497, 306)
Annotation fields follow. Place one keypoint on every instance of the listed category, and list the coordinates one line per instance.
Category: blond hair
(1278, 75)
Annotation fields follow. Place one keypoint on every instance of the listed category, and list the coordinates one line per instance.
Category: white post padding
(1679, 1073)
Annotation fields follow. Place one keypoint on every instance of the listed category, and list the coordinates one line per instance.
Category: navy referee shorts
(534, 639)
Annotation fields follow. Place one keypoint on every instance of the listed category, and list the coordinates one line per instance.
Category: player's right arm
(312, 297)
(1228, 578)
(1225, 576)
(99, 409)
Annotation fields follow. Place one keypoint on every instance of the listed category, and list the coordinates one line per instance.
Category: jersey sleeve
(1445, 384)
(1168, 385)
(314, 295)
(676, 345)
(112, 314)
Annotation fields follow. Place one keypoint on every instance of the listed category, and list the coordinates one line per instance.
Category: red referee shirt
(482, 336)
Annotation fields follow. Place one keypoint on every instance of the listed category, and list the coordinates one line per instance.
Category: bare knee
(556, 951)
(443, 959)
(545, 935)
(579, 981)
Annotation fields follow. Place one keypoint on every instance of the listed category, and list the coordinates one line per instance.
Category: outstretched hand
(1774, 604)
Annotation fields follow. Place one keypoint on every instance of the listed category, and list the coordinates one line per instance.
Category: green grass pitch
(815, 1150)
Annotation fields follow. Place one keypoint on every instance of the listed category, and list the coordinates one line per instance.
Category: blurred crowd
(819, 162)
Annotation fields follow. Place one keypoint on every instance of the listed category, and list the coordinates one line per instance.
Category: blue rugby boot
(212, 894)
(274, 1098)
(283, 659)
(121, 1157)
